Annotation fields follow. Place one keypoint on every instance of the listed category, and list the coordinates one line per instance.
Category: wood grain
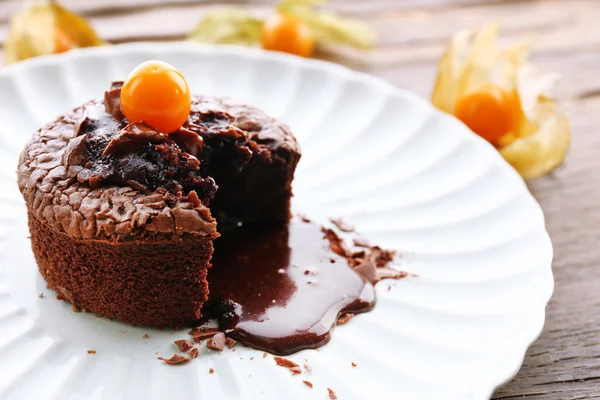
(564, 363)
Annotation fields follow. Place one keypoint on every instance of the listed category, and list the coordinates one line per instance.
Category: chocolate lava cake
(123, 217)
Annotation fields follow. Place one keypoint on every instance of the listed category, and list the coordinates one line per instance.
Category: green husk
(237, 26)
(228, 26)
(328, 27)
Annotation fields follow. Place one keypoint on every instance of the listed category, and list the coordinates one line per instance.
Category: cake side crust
(158, 284)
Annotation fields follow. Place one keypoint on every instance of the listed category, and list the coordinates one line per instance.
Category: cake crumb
(183, 345)
(307, 367)
(387, 273)
(41, 296)
(251, 358)
(175, 359)
(211, 371)
(91, 351)
(354, 364)
(304, 218)
(229, 342)
(342, 225)
(194, 352)
(361, 242)
(264, 355)
(289, 364)
(344, 318)
(146, 336)
(336, 244)
(217, 342)
(332, 394)
(307, 383)
(199, 334)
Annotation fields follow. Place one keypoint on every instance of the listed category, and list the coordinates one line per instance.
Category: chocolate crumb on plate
(342, 225)
(91, 351)
(194, 352)
(354, 364)
(175, 359)
(332, 394)
(336, 244)
(289, 364)
(368, 270)
(307, 383)
(304, 218)
(146, 336)
(229, 342)
(211, 371)
(202, 333)
(385, 273)
(307, 367)
(344, 318)
(183, 345)
(361, 242)
(264, 355)
(296, 370)
(41, 296)
(217, 342)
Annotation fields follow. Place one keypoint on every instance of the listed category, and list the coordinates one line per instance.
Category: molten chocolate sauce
(281, 288)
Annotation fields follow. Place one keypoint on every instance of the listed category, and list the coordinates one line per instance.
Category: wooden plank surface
(564, 363)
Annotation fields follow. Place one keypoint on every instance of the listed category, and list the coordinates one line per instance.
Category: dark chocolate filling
(282, 288)
(116, 152)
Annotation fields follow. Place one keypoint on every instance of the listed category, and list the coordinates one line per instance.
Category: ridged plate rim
(161, 47)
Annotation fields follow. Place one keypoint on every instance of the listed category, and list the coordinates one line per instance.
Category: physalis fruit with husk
(45, 27)
(504, 100)
(297, 27)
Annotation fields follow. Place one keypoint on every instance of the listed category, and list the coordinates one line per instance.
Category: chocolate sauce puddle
(280, 288)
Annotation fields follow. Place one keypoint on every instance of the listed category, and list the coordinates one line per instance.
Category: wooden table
(565, 362)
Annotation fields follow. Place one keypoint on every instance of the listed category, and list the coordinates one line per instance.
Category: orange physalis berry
(287, 34)
(158, 95)
(490, 111)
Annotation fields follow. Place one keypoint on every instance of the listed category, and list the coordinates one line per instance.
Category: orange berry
(490, 111)
(158, 95)
(287, 34)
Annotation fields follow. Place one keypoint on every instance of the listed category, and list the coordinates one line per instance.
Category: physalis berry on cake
(158, 95)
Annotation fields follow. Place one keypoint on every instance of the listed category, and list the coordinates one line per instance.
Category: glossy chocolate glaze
(281, 288)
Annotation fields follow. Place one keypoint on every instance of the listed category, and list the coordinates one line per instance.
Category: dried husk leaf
(75, 28)
(544, 138)
(228, 26)
(45, 27)
(450, 65)
(328, 27)
(478, 68)
(544, 150)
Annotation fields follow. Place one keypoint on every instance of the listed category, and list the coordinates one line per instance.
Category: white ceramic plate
(407, 176)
